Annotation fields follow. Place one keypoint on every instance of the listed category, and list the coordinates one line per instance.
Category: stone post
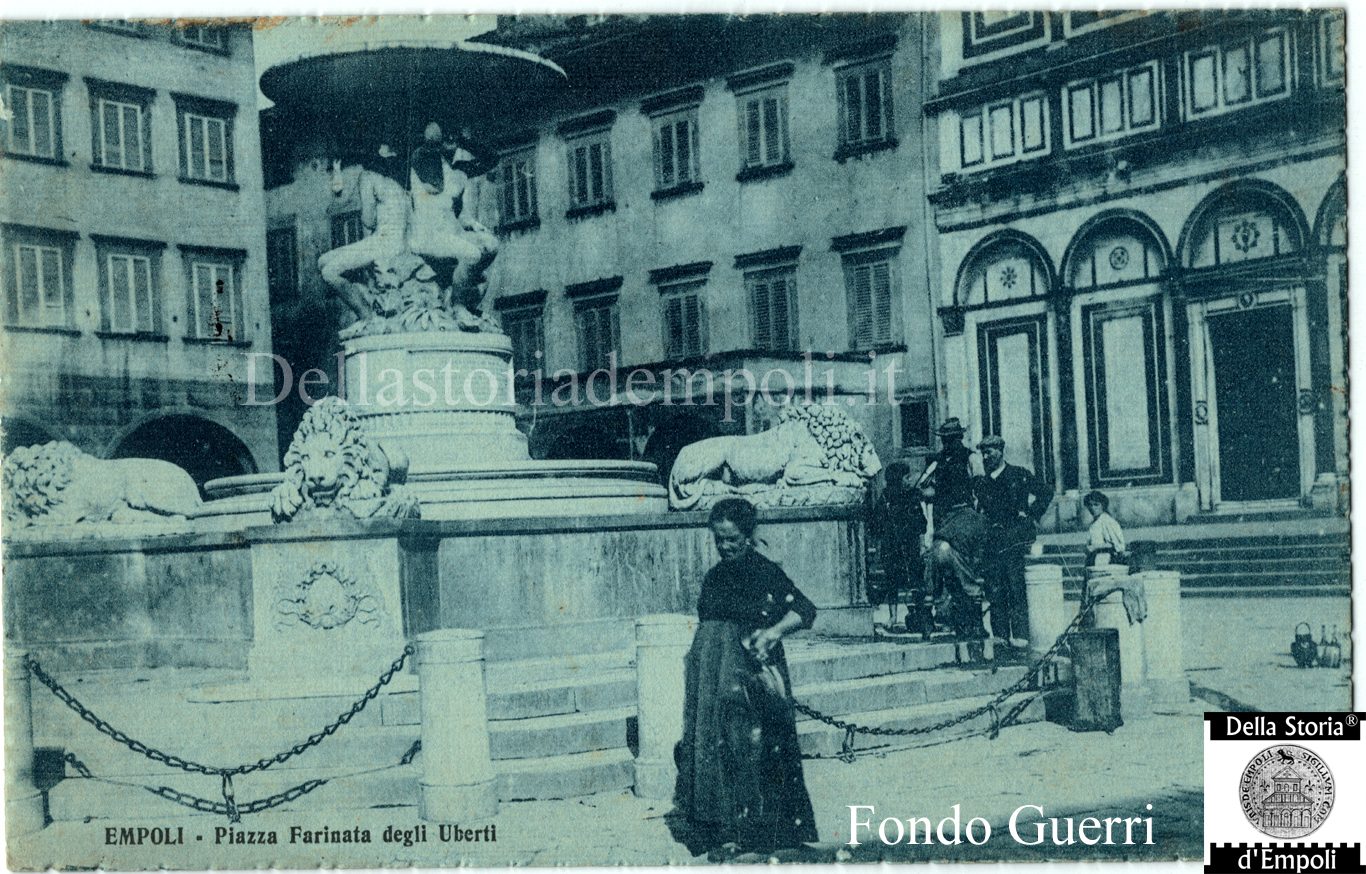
(1162, 638)
(1047, 610)
(662, 641)
(23, 802)
(1110, 613)
(457, 776)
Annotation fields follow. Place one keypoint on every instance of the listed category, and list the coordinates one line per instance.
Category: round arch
(1275, 225)
(23, 431)
(203, 448)
(1004, 266)
(1110, 227)
(1331, 211)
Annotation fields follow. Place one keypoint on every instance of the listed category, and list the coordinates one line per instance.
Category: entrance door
(1013, 363)
(1253, 353)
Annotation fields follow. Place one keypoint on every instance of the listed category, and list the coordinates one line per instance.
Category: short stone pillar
(662, 642)
(1162, 638)
(1110, 613)
(23, 802)
(1047, 610)
(457, 775)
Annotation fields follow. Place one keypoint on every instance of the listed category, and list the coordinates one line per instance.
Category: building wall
(79, 382)
(1278, 156)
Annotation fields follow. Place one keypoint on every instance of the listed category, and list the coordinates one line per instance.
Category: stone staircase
(1214, 563)
(568, 732)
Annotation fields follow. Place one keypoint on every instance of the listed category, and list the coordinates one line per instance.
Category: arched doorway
(206, 450)
(1003, 288)
(1252, 399)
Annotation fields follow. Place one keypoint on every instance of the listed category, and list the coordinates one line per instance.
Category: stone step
(819, 739)
(904, 690)
(565, 776)
(561, 734)
(816, 660)
(593, 690)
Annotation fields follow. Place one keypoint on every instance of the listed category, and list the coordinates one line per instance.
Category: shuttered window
(773, 308)
(517, 189)
(590, 172)
(868, 287)
(215, 305)
(34, 121)
(685, 328)
(131, 304)
(763, 128)
(38, 280)
(675, 150)
(121, 136)
(865, 104)
(599, 332)
(525, 328)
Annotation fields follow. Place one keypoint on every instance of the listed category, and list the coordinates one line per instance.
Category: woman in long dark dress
(740, 783)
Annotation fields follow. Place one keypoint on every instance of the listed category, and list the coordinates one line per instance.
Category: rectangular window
(517, 189)
(205, 142)
(1004, 132)
(34, 122)
(121, 135)
(130, 296)
(346, 229)
(599, 330)
(1332, 46)
(864, 95)
(763, 128)
(676, 157)
(590, 172)
(204, 37)
(914, 423)
(38, 278)
(525, 327)
(773, 308)
(1111, 107)
(282, 263)
(868, 289)
(1223, 78)
(215, 300)
(685, 319)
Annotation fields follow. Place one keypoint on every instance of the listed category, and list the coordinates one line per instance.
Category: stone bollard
(23, 802)
(457, 775)
(662, 641)
(1110, 613)
(1162, 638)
(1047, 611)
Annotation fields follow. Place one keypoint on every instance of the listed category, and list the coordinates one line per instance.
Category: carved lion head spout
(332, 466)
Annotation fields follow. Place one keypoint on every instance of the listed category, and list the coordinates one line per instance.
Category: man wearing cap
(1013, 500)
(959, 532)
(949, 472)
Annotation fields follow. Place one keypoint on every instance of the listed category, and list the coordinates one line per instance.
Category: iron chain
(174, 761)
(852, 728)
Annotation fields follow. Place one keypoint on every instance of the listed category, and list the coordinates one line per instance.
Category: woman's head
(1096, 503)
(732, 522)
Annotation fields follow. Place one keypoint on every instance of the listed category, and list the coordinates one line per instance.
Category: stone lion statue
(333, 466)
(58, 484)
(814, 454)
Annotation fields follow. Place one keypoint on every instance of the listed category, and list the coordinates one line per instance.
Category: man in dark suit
(1013, 500)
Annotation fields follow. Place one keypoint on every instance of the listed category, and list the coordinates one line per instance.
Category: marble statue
(332, 467)
(58, 484)
(813, 455)
(421, 264)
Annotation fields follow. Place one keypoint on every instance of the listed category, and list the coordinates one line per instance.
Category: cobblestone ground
(1235, 651)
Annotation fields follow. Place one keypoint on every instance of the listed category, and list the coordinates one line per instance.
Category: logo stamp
(1286, 791)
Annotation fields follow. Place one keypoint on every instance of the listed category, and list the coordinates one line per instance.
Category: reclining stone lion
(58, 484)
(814, 455)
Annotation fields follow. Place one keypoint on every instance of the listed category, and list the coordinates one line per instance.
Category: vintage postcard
(575, 440)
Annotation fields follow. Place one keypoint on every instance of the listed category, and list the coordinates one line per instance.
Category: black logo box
(1288, 726)
(1247, 858)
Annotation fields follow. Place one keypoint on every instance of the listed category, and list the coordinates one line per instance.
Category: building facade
(710, 207)
(1141, 256)
(134, 250)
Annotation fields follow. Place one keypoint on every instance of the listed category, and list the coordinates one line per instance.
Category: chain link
(998, 722)
(174, 761)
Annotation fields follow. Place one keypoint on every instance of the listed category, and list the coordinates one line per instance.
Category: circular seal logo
(1286, 791)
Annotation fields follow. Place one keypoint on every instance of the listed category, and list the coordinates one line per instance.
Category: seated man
(951, 567)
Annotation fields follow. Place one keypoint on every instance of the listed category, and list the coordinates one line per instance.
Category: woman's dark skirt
(739, 764)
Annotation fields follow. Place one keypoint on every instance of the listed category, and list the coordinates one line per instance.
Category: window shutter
(21, 133)
(606, 152)
(529, 174)
(753, 134)
(696, 165)
(657, 136)
(673, 326)
(853, 100)
(791, 324)
(772, 139)
(858, 283)
(142, 294)
(683, 151)
(885, 90)
(881, 292)
(872, 96)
